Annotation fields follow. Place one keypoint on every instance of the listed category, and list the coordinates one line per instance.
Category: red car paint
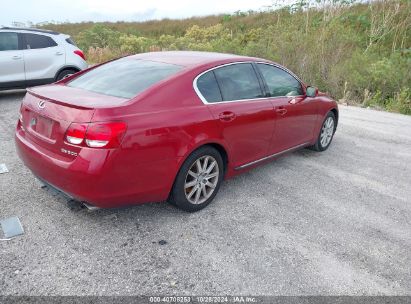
(165, 124)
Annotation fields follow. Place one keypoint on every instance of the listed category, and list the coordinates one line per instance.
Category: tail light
(75, 133)
(80, 53)
(96, 135)
(20, 122)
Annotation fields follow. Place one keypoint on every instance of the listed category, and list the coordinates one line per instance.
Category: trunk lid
(47, 112)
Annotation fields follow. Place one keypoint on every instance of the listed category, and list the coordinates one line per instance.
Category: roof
(190, 58)
(30, 30)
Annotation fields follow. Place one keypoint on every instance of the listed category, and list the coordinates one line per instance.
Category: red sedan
(167, 126)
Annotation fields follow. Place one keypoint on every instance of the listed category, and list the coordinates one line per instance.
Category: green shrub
(357, 52)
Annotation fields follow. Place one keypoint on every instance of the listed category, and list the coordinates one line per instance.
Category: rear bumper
(99, 177)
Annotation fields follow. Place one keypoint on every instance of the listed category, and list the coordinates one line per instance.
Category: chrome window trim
(285, 70)
(195, 87)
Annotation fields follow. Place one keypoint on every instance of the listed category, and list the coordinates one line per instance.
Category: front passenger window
(279, 82)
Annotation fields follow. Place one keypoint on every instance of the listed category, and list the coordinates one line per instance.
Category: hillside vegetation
(357, 52)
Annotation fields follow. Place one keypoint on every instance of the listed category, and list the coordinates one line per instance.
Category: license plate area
(41, 126)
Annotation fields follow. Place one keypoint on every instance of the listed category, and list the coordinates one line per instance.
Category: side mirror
(311, 92)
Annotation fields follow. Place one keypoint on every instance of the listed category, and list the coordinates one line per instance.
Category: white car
(30, 57)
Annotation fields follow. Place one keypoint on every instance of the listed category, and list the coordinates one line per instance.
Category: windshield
(125, 77)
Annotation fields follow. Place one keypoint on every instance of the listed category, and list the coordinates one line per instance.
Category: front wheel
(198, 180)
(326, 134)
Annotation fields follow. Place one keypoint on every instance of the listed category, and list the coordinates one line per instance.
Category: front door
(11, 61)
(296, 113)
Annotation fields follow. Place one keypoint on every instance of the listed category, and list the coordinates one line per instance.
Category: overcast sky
(119, 10)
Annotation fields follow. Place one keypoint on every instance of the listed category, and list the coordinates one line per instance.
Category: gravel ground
(332, 223)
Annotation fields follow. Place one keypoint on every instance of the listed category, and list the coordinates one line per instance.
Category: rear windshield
(124, 77)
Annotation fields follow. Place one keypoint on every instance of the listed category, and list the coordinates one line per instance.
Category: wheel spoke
(211, 175)
(197, 195)
(204, 190)
(195, 175)
(199, 167)
(323, 141)
(192, 192)
(190, 184)
(209, 184)
(205, 163)
(212, 165)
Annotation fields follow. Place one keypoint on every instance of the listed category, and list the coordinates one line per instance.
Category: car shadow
(166, 209)
(14, 94)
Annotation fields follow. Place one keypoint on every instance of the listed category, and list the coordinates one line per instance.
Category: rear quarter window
(125, 77)
(208, 87)
(71, 41)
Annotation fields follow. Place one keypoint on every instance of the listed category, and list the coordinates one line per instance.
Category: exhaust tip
(90, 207)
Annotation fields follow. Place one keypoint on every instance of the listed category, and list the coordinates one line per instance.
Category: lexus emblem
(41, 104)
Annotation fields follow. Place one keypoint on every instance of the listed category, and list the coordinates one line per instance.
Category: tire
(327, 129)
(65, 73)
(188, 191)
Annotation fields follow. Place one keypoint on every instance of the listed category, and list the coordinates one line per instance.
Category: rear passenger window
(238, 81)
(208, 87)
(9, 42)
(279, 82)
(34, 41)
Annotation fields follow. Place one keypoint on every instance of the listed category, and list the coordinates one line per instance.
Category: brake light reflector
(75, 133)
(80, 53)
(96, 135)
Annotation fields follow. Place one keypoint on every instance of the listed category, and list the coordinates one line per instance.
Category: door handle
(281, 111)
(226, 116)
(16, 57)
(59, 53)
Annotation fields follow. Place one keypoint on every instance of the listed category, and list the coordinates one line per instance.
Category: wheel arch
(67, 67)
(335, 112)
(219, 146)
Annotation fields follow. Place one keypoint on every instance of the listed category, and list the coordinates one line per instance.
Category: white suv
(30, 57)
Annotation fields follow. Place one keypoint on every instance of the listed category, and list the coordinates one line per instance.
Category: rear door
(235, 98)
(296, 114)
(11, 61)
(43, 58)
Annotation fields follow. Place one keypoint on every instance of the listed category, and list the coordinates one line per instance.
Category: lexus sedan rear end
(167, 126)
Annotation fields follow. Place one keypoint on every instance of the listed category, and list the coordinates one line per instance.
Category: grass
(357, 52)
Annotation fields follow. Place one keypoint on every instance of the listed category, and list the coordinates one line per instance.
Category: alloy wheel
(327, 132)
(201, 179)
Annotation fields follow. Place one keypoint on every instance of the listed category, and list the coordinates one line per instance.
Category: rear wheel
(198, 180)
(326, 133)
(65, 73)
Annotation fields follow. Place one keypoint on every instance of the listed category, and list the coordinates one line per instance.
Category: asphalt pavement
(308, 223)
